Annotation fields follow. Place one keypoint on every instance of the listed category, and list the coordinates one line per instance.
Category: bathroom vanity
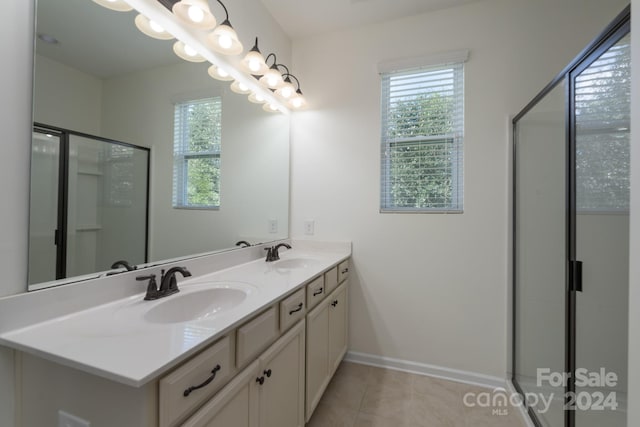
(252, 343)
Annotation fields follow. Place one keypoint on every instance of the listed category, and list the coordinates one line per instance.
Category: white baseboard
(429, 370)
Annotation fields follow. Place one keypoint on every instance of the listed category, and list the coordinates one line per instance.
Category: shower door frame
(63, 191)
(617, 29)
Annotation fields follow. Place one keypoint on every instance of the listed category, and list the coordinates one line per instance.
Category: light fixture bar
(197, 39)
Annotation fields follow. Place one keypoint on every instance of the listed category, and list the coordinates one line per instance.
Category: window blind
(422, 139)
(196, 153)
(603, 122)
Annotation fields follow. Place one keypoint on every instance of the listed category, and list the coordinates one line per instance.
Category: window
(602, 132)
(422, 130)
(196, 154)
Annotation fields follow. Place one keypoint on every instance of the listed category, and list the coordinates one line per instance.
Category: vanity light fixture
(224, 38)
(271, 108)
(297, 101)
(239, 87)
(254, 62)
(219, 73)
(186, 24)
(151, 28)
(195, 13)
(117, 5)
(257, 98)
(186, 52)
(272, 78)
(286, 89)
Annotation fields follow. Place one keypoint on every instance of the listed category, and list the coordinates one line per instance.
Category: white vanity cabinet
(268, 393)
(326, 344)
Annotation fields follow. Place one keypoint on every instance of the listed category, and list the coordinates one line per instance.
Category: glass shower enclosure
(89, 204)
(571, 228)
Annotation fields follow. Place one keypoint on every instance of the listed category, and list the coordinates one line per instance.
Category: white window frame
(416, 66)
(182, 155)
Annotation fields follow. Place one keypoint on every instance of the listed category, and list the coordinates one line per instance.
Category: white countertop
(115, 341)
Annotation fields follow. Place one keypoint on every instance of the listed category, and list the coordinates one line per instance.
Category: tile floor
(366, 396)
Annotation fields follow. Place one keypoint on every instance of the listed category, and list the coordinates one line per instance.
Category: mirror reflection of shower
(89, 204)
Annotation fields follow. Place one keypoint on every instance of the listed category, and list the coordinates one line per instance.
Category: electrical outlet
(273, 226)
(67, 420)
(309, 226)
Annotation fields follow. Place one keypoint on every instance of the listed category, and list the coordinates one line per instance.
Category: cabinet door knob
(260, 380)
(334, 303)
(215, 370)
(345, 271)
(268, 373)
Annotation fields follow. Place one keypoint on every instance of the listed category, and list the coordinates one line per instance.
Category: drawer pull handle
(318, 292)
(334, 303)
(296, 310)
(345, 271)
(260, 380)
(268, 373)
(215, 370)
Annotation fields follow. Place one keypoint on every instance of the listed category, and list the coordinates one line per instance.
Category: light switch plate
(273, 226)
(67, 420)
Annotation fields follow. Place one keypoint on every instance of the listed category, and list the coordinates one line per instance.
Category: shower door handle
(575, 275)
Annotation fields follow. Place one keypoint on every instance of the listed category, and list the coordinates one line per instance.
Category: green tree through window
(422, 140)
(197, 140)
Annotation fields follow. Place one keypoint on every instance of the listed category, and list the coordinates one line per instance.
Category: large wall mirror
(99, 78)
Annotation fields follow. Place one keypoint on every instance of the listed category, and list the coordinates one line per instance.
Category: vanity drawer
(210, 370)
(292, 309)
(316, 291)
(343, 271)
(331, 280)
(255, 335)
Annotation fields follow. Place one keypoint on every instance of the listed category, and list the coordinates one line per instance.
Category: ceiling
(302, 18)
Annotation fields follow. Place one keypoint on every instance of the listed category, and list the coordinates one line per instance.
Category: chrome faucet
(272, 252)
(168, 283)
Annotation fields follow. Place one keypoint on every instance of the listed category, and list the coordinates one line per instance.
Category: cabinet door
(235, 405)
(337, 327)
(317, 355)
(281, 395)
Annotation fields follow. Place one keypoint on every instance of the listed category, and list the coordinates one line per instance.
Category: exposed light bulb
(259, 97)
(222, 73)
(195, 14)
(189, 50)
(156, 27)
(243, 86)
(297, 102)
(286, 92)
(272, 81)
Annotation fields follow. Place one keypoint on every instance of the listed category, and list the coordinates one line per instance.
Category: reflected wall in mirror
(105, 78)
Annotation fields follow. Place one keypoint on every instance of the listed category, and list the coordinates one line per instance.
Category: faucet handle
(152, 287)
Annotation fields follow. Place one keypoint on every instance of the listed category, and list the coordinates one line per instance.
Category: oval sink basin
(197, 304)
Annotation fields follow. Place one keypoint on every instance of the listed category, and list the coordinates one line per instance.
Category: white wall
(633, 415)
(428, 288)
(56, 85)
(16, 43)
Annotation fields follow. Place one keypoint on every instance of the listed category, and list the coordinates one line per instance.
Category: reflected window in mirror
(196, 155)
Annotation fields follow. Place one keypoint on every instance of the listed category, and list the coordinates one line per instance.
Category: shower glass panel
(107, 205)
(43, 215)
(602, 123)
(540, 252)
